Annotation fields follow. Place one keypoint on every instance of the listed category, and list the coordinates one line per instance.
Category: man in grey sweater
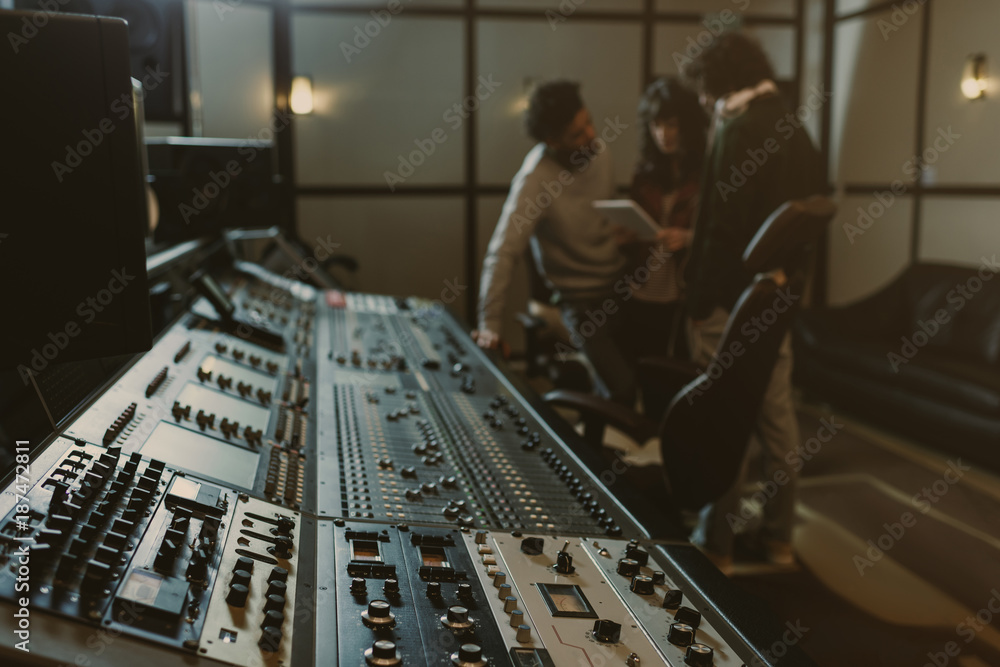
(574, 247)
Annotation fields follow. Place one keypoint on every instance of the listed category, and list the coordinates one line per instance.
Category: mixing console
(335, 479)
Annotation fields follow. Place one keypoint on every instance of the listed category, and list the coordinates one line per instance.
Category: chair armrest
(531, 322)
(598, 412)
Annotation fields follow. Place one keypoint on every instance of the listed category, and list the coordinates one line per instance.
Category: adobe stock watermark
(122, 107)
(914, 169)
(899, 17)
(792, 122)
(715, 25)
(957, 298)
(562, 13)
(365, 33)
(967, 629)
(218, 181)
(796, 460)
(87, 310)
(922, 501)
(779, 649)
(31, 25)
(455, 116)
(752, 330)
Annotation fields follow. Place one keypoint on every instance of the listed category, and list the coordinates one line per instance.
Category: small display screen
(185, 488)
(433, 557)
(363, 550)
(142, 587)
(566, 600)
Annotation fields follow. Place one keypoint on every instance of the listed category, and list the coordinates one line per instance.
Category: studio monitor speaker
(156, 46)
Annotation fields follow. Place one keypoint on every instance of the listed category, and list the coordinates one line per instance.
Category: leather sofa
(920, 357)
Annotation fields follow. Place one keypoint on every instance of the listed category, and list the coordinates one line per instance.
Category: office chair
(708, 423)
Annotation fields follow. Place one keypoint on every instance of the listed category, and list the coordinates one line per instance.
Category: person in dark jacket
(758, 158)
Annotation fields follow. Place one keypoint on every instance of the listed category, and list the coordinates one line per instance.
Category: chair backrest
(707, 427)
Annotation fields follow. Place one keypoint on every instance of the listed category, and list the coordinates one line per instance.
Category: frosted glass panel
(605, 58)
(563, 8)
(748, 7)
(517, 295)
(867, 247)
(959, 28)
(233, 57)
(959, 231)
(382, 106)
(874, 93)
(675, 43)
(404, 245)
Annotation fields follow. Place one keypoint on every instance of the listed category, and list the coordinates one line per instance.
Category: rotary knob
(642, 585)
(277, 588)
(505, 590)
(241, 577)
(456, 618)
(391, 587)
(383, 653)
(607, 632)
(468, 655)
(270, 639)
(499, 578)
(516, 618)
(434, 589)
(378, 615)
(509, 604)
(464, 591)
(277, 574)
(680, 634)
(628, 567)
(274, 603)
(523, 634)
(672, 599)
(688, 615)
(699, 655)
(237, 596)
(273, 619)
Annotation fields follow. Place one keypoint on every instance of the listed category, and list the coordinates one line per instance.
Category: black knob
(642, 585)
(532, 546)
(564, 563)
(358, 586)
(659, 578)
(237, 596)
(241, 577)
(637, 554)
(244, 563)
(273, 618)
(282, 548)
(470, 653)
(628, 567)
(383, 654)
(465, 591)
(699, 655)
(680, 634)
(607, 631)
(673, 599)
(270, 639)
(274, 603)
(278, 574)
(688, 615)
(433, 590)
(277, 588)
(285, 525)
(378, 614)
(391, 587)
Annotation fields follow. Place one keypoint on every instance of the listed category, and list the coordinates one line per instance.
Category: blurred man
(757, 160)
(549, 205)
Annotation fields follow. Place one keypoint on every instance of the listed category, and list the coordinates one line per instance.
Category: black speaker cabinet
(156, 47)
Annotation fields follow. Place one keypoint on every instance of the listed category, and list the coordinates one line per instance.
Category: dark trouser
(651, 329)
(599, 334)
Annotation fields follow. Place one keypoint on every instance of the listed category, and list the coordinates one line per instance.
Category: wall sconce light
(974, 79)
(302, 95)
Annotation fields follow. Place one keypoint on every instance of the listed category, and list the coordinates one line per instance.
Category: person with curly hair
(756, 162)
(573, 245)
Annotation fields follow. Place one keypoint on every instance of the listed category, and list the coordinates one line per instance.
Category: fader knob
(277, 588)
(274, 603)
(278, 574)
(244, 563)
(383, 653)
(699, 655)
(241, 577)
(272, 618)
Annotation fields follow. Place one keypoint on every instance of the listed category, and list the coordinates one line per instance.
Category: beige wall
(874, 142)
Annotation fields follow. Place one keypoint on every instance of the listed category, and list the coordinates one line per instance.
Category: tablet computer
(628, 214)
